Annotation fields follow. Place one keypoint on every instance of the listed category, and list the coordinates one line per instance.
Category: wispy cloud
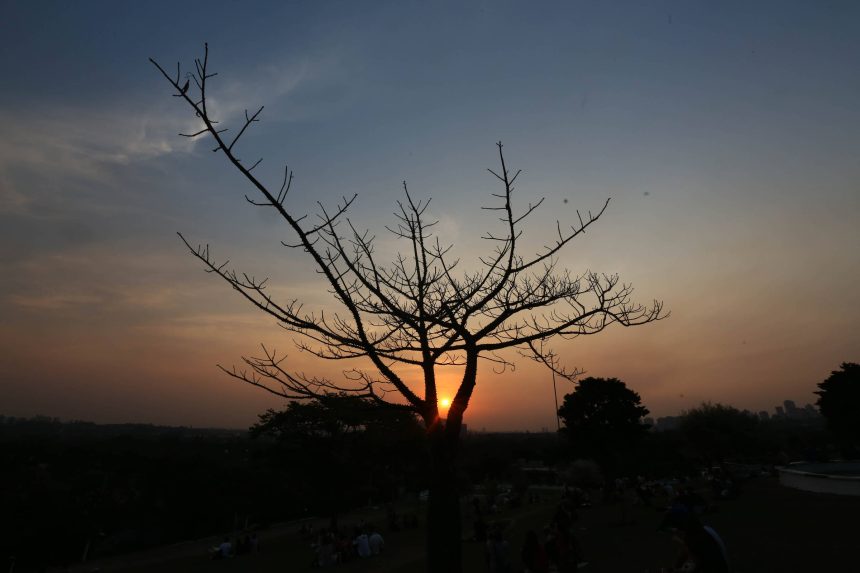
(46, 152)
(293, 89)
(43, 154)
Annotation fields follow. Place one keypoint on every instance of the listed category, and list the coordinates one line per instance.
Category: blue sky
(726, 135)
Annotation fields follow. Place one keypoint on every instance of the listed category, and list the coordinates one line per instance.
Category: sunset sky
(726, 133)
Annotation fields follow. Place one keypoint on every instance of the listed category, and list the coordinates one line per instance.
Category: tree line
(604, 420)
(71, 487)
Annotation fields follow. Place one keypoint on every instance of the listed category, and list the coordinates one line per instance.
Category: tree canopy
(338, 435)
(601, 417)
(334, 416)
(718, 431)
(839, 402)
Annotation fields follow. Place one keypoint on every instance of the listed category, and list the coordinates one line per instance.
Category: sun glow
(444, 402)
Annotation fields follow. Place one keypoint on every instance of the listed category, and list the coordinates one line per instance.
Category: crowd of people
(551, 549)
(701, 549)
(333, 545)
(245, 544)
(555, 548)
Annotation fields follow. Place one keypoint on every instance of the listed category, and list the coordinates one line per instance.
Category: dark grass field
(768, 529)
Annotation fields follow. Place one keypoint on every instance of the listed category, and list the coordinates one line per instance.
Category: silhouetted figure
(362, 544)
(344, 547)
(326, 555)
(534, 555)
(306, 531)
(393, 519)
(643, 491)
(225, 549)
(185, 87)
(243, 545)
(377, 543)
(564, 551)
(498, 560)
(703, 550)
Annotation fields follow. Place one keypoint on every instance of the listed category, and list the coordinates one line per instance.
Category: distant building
(763, 415)
(790, 411)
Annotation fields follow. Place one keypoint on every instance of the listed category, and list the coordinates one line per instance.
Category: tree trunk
(444, 529)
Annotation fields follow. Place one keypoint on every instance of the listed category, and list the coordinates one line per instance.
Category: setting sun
(444, 402)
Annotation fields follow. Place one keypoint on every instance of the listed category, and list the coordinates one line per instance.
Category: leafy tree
(839, 402)
(420, 312)
(334, 416)
(602, 419)
(336, 435)
(718, 431)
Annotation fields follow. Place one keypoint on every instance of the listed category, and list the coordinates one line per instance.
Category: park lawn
(769, 528)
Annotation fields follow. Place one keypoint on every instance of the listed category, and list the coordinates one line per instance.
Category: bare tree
(421, 310)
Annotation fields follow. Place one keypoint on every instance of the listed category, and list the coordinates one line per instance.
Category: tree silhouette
(718, 431)
(422, 310)
(602, 419)
(340, 435)
(839, 403)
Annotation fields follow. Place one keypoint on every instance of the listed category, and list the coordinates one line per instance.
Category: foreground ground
(769, 528)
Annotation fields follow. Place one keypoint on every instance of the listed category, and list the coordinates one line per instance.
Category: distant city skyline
(788, 410)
